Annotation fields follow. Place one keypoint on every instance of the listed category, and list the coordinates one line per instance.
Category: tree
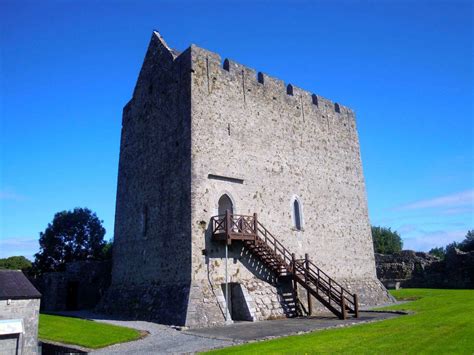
(72, 236)
(107, 250)
(386, 241)
(438, 251)
(15, 263)
(468, 243)
(450, 247)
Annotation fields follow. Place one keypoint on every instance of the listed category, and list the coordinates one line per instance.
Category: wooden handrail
(345, 293)
(232, 226)
(328, 283)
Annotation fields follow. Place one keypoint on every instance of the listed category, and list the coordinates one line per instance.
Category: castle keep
(213, 154)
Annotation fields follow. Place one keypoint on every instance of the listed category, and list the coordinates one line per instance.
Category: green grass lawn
(443, 322)
(83, 332)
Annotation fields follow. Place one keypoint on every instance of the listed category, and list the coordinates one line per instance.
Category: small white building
(19, 313)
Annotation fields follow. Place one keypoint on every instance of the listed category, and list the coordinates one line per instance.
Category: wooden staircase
(263, 245)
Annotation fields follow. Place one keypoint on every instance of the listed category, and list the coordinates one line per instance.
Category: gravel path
(162, 339)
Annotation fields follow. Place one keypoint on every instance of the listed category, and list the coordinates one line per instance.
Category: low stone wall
(416, 269)
(80, 286)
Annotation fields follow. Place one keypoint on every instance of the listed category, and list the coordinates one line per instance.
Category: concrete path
(164, 339)
(248, 331)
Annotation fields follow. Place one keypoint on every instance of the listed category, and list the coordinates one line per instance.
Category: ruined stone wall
(283, 142)
(152, 250)
(28, 310)
(417, 269)
(91, 279)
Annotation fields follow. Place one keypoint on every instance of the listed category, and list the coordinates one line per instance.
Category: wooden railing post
(356, 306)
(330, 291)
(343, 307)
(306, 258)
(255, 225)
(295, 285)
(228, 226)
(317, 281)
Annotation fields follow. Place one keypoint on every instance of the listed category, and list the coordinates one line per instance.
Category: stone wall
(417, 269)
(152, 215)
(152, 249)
(282, 146)
(272, 144)
(28, 310)
(80, 286)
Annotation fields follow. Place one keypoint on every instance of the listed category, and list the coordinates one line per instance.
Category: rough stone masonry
(200, 135)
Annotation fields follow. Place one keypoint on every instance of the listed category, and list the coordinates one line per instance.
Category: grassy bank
(83, 332)
(442, 322)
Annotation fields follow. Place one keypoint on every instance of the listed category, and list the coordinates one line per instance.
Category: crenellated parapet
(252, 80)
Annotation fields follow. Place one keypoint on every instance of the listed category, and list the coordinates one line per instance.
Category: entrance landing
(248, 331)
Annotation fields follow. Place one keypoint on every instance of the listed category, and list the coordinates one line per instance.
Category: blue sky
(68, 67)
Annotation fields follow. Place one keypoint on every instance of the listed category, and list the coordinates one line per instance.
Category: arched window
(260, 78)
(315, 99)
(225, 203)
(337, 108)
(297, 213)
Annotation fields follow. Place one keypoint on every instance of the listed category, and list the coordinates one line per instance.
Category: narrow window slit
(289, 89)
(226, 65)
(297, 214)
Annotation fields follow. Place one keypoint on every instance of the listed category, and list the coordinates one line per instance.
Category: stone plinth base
(203, 305)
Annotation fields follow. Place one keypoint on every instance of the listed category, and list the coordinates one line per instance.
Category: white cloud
(428, 240)
(25, 246)
(11, 195)
(406, 228)
(457, 211)
(452, 201)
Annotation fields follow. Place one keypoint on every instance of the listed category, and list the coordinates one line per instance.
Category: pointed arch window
(225, 204)
(297, 214)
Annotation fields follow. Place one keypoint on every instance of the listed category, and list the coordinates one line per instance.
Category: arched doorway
(225, 203)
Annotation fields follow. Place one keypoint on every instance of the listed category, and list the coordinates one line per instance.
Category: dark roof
(15, 285)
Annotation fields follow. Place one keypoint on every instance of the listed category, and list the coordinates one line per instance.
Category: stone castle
(202, 137)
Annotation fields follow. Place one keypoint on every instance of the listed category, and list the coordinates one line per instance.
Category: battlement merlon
(161, 49)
